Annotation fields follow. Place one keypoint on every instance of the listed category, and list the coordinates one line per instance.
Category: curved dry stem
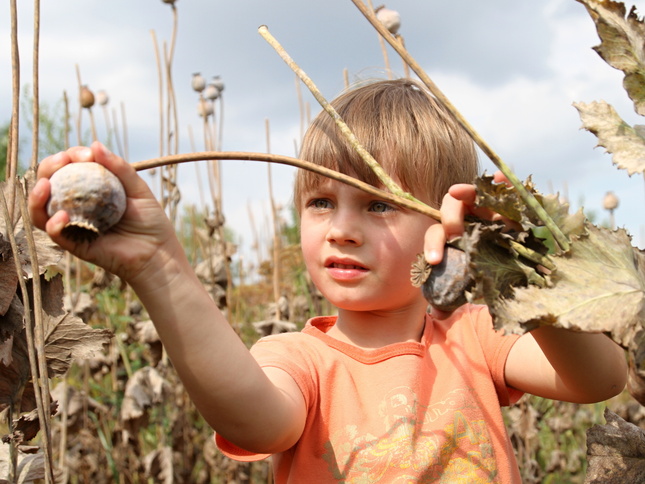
(298, 163)
(527, 197)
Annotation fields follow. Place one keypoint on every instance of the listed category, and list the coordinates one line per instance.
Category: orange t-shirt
(425, 411)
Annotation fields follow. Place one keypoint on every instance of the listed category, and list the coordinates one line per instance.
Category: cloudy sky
(512, 68)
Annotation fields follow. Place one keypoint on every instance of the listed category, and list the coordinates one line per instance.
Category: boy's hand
(456, 204)
(127, 248)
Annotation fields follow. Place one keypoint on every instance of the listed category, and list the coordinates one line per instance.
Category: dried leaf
(13, 321)
(49, 254)
(622, 44)
(8, 276)
(626, 144)
(597, 287)
(501, 198)
(159, 466)
(31, 467)
(507, 202)
(274, 326)
(67, 339)
(27, 426)
(495, 265)
(15, 378)
(615, 452)
(144, 389)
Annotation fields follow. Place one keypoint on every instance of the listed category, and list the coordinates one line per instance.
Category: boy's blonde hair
(404, 128)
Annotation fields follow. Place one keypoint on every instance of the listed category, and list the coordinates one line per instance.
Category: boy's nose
(345, 229)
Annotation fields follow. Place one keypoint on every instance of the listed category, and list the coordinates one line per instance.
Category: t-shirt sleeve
(278, 351)
(496, 346)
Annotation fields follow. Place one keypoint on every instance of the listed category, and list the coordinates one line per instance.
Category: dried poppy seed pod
(198, 82)
(102, 98)
(87, 97)
(92, 196)
(205, 108)
(218, 83)
(390, 19)
(446, 286)
(610, 201)
(211, 92)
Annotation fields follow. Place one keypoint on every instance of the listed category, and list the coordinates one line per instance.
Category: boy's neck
(369, 330)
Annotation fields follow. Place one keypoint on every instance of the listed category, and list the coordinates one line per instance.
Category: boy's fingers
(51, 163)
(499, 177)
(435, 239)
(132, 183)
(37, 202)
(453, 211)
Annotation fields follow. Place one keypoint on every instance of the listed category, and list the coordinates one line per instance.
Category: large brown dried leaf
(615, 452)
(597, 287)
(626, 144)
(622, 44)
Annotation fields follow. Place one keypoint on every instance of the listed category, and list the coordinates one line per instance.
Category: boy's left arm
(548, 362)
(565, 365)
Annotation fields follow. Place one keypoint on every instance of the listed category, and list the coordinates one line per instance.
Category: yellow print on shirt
(435, 443)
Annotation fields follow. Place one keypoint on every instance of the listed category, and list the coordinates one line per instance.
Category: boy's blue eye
(381, 207)
(319, 203)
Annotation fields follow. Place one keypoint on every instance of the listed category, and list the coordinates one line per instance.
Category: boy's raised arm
(236, 397)
(548, 362)
(565, 365)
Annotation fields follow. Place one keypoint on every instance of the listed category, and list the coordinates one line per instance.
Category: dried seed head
(198, 82)
(390, 19)
(92, 196)
(205, 107)
(102, 98)
(87, 97)
(446, 286)
(610, 202)
(218, 83)
(211, 92)
(420, 271)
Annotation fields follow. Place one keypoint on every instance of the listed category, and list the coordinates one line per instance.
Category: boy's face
(359, 249)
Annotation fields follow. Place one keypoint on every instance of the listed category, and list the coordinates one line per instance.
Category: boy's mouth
(345, 265)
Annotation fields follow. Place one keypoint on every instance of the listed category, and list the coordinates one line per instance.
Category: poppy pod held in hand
(92, 196)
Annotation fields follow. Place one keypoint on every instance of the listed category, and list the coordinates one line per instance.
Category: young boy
(384, 391)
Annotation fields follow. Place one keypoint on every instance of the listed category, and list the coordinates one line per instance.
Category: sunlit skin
(358, 250)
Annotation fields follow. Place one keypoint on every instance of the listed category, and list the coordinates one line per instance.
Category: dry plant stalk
(276, 230)
(526, 196)
(287, 160)
(34, 334)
